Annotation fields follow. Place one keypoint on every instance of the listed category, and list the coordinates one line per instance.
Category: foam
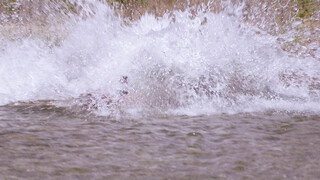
(183, 66)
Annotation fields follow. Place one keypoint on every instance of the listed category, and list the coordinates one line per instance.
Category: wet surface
(41, 141)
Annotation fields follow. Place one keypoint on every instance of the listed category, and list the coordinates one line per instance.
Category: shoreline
(296, 23)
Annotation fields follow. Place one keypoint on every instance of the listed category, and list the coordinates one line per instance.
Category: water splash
(210, 63)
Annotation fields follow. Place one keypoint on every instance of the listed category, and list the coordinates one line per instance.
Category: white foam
(181, 66)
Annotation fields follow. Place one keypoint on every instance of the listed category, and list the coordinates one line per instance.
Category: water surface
(42, 141)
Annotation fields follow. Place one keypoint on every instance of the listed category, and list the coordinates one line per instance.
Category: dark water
(42, 141)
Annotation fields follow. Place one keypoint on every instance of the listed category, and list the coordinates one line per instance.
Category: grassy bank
(279, 11)
(277, 17)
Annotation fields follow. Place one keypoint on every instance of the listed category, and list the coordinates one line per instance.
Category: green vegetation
(8, 6)
(239, 168)
(306, 8)
(70, 6)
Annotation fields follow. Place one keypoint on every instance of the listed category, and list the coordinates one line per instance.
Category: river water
(207, 97)
(42, 141)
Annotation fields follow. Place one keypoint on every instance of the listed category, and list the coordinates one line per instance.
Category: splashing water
(210, 63)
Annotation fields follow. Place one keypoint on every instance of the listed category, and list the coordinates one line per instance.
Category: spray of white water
(213, 63)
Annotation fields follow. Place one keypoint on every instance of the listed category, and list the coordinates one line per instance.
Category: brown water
(42, 141)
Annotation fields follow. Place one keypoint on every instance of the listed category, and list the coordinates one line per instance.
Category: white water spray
(213, 63)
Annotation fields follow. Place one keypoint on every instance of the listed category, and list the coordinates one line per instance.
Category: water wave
(210, 63)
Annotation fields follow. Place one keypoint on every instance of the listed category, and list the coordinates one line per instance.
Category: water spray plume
(216, 58)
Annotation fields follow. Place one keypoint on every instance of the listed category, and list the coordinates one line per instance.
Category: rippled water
(41, 141)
